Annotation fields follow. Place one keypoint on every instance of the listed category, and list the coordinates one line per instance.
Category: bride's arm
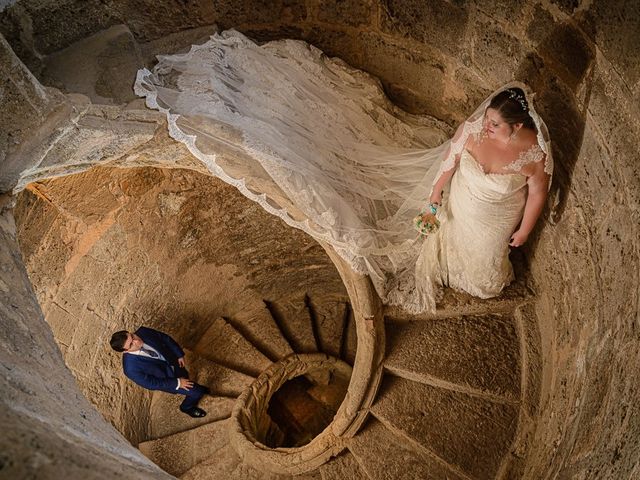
(438, 187)
(538, 183)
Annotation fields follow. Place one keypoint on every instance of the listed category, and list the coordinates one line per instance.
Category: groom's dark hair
(118, 340)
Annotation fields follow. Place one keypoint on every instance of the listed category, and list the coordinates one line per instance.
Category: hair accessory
(518, 98)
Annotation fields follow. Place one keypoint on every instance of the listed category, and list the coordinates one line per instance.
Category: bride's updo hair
(512, 106)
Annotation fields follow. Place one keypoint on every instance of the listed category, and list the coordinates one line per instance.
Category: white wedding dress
(318, 144)
(470, 251)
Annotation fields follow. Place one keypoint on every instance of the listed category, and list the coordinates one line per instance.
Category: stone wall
(114, 249)
(442, 57)
(49, 430)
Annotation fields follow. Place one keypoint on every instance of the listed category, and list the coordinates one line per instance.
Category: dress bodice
(490, 184)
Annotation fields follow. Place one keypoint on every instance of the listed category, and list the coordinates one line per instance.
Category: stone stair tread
(167, 419)
(344, 466)
(224, 345)
(259, 327)
(474, 433)
(455, 303)
(220, 467)
(221, 380)
(384, 455)
(225, 464)
(330, 318)
(246, 472)
(179, 452)
(295, 322)
(480, 352)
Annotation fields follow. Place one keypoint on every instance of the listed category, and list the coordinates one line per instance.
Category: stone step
(221, 380)
(295, 322)
(350, 340)
(224, 345)
(180, 452)
(479, 353)
(344, 466)
(472, 433)
(218, 467)
(226, 465)
(167, 419)
(259, 327)
(383, 454)
(455, 304)
(330, 317)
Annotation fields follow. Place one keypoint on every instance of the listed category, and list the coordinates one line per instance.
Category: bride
(318, 144)
(499, 185)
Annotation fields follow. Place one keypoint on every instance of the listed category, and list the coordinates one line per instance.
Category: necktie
(149, 352)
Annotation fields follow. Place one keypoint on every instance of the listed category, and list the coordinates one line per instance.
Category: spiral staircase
(449, 407)
(457, 398)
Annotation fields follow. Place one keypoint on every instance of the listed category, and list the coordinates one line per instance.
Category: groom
(155, 361)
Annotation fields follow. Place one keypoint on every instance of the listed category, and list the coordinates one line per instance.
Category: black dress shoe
(196, 412)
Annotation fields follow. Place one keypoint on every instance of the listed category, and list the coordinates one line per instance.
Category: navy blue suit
(157, 374)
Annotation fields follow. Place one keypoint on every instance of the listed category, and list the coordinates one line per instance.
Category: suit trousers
(193, 395)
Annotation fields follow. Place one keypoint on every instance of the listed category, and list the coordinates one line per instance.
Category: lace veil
(313, 141)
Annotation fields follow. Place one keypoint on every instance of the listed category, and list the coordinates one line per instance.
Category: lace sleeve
(472, 126)
(530, 155)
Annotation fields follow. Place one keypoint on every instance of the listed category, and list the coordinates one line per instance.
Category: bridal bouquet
(426, 222)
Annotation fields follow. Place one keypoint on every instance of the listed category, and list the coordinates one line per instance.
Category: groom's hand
(185, 383)
(181, 362)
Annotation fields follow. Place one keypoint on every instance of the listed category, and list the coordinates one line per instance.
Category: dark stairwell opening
(303, 407)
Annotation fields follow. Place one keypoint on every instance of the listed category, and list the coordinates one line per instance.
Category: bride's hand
(518, 238)
(436, 197)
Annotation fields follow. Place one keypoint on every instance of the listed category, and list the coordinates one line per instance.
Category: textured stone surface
(50, 430)
(166, 418)
(29, 114)
(615, 28)
(480, 353)
(472, 433)
(490, 42)
(259, 327)
(584, 257)
(330, 318)
(343, 466)
(384, 455)
(227, 466)
(295, 322)
(351, 12)
(180, 278)
(177, 453)
(103, 66)
(220, 380)
(223, 344)
(531, 362)
(350, 341)
(436, 22)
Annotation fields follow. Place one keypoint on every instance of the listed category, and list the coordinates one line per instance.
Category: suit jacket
(154, 373)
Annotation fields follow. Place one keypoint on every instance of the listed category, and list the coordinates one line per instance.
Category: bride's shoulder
(530, 149)
(529, 154)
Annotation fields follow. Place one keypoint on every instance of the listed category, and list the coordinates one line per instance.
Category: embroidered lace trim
(530, 155)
